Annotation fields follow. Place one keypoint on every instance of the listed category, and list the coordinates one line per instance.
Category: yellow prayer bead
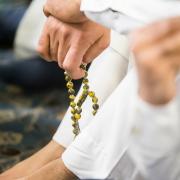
(85, 81)
(74, 124)
(85, 87)
(95, 100)
(77, 116)
(95, 107)
(71, 91)
(94, 113)
(85, 74)
(69, 85)
(91, 94)
(72, 104)
(67, 78)
(79, 110)
(71, 97)
(73, 111)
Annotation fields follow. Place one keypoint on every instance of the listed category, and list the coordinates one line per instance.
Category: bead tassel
(76, 109)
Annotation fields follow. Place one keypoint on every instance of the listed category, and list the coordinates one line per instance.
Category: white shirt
(126, 15)
(128, 139)
(105, 74)
(129, 133)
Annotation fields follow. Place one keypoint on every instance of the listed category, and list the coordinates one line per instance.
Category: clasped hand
(70, 38)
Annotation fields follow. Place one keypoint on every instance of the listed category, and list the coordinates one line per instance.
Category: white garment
(105, 73)
(131, 134)
(128, 139)
(126, 15)
(94, 154)
(29, 30)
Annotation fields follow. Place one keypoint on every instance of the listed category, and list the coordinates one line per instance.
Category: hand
(65, 10)
(72, 44)
(157, 52)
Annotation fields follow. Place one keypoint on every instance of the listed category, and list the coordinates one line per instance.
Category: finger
(96, 49)
(46, 11)
(174, 62)
(154, 32)
(73, 61)
(43, 45)
(62, 51)
(168, 47)
(54, 44)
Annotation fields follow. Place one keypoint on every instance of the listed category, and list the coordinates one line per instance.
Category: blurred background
(33, 97)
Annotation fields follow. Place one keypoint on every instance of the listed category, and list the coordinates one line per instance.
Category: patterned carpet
(27, 120)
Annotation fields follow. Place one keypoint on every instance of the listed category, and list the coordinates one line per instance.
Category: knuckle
(40, 50)
(45, 10)
(65, 31)
(68, 67)
(60, 63)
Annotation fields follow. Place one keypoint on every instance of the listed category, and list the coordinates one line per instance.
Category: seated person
(26, 68)
(140, 133)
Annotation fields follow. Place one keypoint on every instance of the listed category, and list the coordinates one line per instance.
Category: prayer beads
(76, 107)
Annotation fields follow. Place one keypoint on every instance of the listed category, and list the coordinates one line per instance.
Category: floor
(27, 120)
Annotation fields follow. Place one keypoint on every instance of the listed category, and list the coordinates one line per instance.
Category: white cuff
(81, 157)
(156, 128)
(94, 5)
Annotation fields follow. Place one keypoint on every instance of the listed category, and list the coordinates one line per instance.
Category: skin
(65, 10)
(72, 44)
(156, 48)
(81, 41)
(55, 170)
(49, 153)
(157, 51)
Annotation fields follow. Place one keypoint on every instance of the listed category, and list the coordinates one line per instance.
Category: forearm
(66, 11)
(55, 170)
(50, 152)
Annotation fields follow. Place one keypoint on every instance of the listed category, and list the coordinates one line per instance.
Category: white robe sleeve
(105, 73)
(127, 127)
(155, 142)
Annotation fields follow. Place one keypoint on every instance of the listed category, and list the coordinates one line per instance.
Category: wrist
(159, 94)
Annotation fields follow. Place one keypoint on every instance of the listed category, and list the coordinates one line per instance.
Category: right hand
(157, 51)
(72, 44)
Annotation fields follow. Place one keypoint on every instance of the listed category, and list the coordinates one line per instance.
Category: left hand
(65, 10)
(157, 52)
(72, 44)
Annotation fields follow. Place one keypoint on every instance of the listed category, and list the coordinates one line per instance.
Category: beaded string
(76, 107)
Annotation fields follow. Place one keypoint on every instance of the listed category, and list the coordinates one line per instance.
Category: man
(145, 158)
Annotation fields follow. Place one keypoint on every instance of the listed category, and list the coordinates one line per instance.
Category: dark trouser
(9, 21)
(33, 73)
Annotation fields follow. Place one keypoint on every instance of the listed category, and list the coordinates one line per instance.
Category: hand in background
(157, 51)
(72, 44)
